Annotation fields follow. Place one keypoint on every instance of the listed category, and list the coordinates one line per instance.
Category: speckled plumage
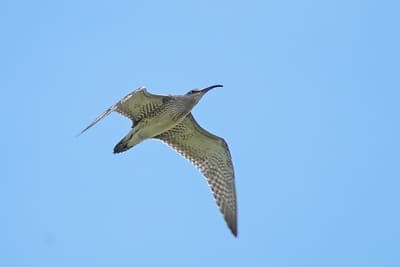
(169, 119)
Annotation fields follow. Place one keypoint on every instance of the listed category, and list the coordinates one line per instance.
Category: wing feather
(210, 154)
(133, 106)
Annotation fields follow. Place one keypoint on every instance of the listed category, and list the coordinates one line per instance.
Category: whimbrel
(169, 119)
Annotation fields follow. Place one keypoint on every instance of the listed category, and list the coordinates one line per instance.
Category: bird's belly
(156, 126)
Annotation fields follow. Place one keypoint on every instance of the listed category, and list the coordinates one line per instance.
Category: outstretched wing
(210, 154)
(133, 106)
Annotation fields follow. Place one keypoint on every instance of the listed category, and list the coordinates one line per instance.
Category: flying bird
(169, 119)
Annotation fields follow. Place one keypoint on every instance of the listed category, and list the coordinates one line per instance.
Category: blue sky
(309, 107)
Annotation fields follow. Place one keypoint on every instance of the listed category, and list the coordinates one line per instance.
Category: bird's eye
(194, 91)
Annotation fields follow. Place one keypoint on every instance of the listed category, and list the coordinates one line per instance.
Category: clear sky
(309, 107)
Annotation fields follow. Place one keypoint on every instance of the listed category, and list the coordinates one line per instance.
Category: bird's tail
(127, 142)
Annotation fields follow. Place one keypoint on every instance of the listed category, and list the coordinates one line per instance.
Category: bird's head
(197, 94)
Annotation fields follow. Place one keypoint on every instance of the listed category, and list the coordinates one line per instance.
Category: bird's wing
(133, 106)
(210, 154)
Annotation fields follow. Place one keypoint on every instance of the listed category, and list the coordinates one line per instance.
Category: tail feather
(130, 140)
(121, 147)
(125, 144)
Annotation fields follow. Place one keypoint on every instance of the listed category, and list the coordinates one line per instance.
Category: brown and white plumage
(210, 154)
(169, 119)
(134, 106)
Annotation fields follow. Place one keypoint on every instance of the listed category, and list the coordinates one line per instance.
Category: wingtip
(233, 228)
(235, 234)
(231, 220)
(81, 132)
